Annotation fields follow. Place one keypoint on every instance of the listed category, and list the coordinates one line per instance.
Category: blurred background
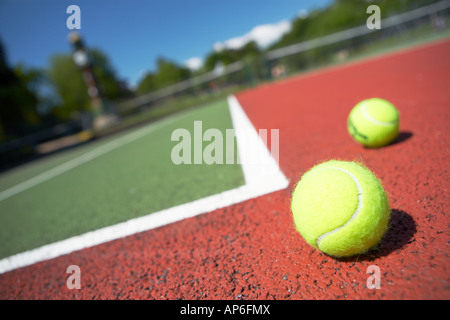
(133, 62)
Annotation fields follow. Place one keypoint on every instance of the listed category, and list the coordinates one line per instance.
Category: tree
(18, 104)
(111, 86)
(68, 82)
(340, 15)
(228, 56)
(169, 73)
(147, 84)
(67, 79)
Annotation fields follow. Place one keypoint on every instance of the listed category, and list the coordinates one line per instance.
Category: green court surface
(135, 177)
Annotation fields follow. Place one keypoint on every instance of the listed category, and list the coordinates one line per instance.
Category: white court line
(257, 183)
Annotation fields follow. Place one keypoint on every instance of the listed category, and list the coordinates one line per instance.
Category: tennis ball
(373, 122)
(340, 208)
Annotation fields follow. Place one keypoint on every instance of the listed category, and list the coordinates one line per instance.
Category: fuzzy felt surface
(340, 208)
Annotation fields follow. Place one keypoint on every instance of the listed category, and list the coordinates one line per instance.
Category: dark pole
(83, 60)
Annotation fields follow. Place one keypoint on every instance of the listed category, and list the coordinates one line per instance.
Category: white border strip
(256, 184)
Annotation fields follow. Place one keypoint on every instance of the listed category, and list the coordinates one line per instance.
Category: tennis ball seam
(354, 215)
(355, 133)
(375, 121)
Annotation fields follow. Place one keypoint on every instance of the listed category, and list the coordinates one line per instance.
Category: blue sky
(134, 33)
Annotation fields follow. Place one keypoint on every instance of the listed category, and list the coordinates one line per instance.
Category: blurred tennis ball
(374, 122)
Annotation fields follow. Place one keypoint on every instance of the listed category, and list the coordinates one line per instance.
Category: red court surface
(251, 250)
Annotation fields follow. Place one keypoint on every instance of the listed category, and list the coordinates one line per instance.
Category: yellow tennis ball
(340, 208)
(374, 122)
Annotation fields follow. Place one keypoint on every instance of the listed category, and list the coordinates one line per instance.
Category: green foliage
(111, 87)
(147, 84)
(23, 102)
(167, 73)
(341, 15)
(337, 16)
(227, 56)
(68, 82)
(18, 103)
(67, 79)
